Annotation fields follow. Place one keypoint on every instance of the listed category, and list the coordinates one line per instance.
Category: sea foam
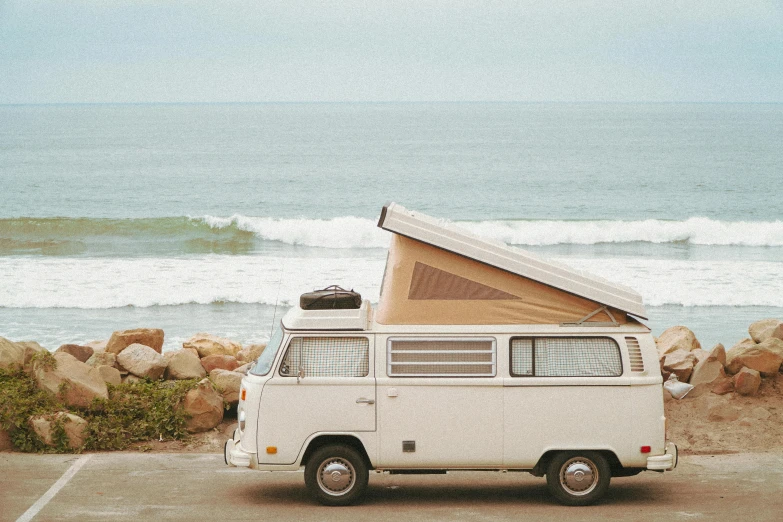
(142, 282)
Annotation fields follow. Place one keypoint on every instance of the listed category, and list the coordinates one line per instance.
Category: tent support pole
(584, 320)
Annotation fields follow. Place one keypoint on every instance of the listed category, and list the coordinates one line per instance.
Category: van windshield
(267, 357)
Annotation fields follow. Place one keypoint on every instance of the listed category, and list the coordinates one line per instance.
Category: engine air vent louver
(635, 354)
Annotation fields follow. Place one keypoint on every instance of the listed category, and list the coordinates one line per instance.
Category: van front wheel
(578, 478)
(336, 475)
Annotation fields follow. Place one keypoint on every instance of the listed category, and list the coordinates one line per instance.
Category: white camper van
(477, 357)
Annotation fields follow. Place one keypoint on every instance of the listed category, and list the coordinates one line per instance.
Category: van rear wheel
(578, 478)
(336, 475)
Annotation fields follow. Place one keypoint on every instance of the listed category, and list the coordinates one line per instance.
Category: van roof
(446, 236)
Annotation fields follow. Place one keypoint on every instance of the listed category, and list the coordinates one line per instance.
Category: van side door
(440, 403)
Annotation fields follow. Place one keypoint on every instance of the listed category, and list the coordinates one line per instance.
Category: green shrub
(137, 412)
(21, 399)
(134, 412)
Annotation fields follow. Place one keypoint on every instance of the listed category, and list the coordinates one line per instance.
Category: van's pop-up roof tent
(439, 274)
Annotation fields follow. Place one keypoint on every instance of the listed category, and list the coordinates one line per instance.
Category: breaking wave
(238, 233)
(353, 232)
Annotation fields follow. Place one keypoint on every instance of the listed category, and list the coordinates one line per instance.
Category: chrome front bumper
(665, 462)
(234, 455)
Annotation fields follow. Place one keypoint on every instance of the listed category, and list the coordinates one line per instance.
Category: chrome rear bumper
(665, 462)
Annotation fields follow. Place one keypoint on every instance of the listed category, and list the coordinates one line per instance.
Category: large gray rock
(152, 337)
(204, 405)
(82, 353)
(73, 381)
(207, 344)
(762, 330)
(142, 361)
(676, 338)
(711, 369)
(183, 364)
(228, 384)
(250, 352)
(764, 357)
(74, 426)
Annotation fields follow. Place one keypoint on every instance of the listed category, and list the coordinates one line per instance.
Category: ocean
(216, 217)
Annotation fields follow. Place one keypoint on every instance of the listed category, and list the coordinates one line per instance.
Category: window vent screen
(441, 358)
(327, 357)
(635, 354)
(565, 357)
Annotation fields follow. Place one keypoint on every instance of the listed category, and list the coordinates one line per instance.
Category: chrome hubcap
(336, 476)
(579, 476)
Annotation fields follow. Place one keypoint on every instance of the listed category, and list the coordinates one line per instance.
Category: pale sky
(74, 51)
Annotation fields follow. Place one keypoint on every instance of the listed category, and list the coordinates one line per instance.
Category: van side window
(327, 357)
(565, 357)
(440, 357)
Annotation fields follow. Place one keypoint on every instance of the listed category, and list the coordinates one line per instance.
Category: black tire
(578, 478)
(344, 484)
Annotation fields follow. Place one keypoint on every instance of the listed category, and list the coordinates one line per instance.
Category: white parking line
(57, 486)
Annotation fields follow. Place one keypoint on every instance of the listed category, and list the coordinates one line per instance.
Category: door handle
(362, 400)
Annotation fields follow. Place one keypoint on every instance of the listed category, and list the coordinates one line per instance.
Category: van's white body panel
(498, 422)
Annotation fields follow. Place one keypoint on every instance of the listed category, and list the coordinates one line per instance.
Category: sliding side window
(565, 357)
(327, 357)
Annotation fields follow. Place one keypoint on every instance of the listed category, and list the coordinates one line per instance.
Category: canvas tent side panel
(424, 284)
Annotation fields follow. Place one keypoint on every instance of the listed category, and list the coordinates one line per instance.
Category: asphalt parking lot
(171, 486)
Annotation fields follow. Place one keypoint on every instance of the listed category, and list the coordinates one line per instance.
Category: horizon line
(398, 102)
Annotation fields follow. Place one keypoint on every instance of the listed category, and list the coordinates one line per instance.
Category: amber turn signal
(271, 450)
(244, 394)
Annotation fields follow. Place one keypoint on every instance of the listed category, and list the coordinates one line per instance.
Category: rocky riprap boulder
(142, 361)
(151, 337)
(72, 381)
(739, 369)
(82, 353)
(102, 359)
(207, 345)
(18, 354)
(228, 384)
(75, 428)
(747, 382)
(183, 364)
(223, 362)
(711, 368)
(110, 375)
(250, 352)
(676, 338)
(204, 405)
(678, 351)
(765, 329)
(764, 357)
